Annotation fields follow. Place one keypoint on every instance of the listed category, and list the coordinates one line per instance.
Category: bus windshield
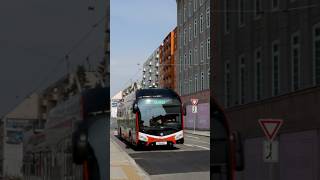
(159, 113)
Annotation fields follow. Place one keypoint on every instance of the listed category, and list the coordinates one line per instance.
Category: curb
(141, 171)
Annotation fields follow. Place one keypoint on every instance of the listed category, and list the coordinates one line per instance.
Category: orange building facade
(167, 61)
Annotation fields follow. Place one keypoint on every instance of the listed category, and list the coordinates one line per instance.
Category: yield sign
(270, 127)
(194, 101)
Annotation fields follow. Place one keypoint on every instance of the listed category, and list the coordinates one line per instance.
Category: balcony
(44, 116)
(44, 102)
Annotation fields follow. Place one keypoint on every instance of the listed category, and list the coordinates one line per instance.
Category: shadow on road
(146, 148)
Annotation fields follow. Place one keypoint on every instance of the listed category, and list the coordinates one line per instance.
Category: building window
(316, 54)
(226, 16)
(295, 61)
(208, 17)
(242, 79)
(185, 37)
(190, 8)
(181, 62)
(275, 68)
(195, 56)
(202, 82)
(275, 4)
(185, 61)
(190, 32)
(201, 52)
(208, 48)
(196, 83)
(179, 17)
(201, 23)
(190, 59)
(241, 12)
(195, 28)
(195, 3)
(185, 87)
(227, 84)
(258, 74)
(185, 12)
(257, 8)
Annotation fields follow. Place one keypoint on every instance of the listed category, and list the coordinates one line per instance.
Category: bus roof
(156, 92)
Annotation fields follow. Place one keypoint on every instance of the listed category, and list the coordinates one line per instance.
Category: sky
(137, 29)
(35, 35)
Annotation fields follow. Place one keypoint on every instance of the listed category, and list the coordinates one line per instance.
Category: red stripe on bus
(152, 139)
(85, 171)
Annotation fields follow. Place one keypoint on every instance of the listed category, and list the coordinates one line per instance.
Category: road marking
(193, 137)
(189, 145)
(197, 146)
(198, 141)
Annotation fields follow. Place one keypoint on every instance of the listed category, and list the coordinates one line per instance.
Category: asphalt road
(186, 161)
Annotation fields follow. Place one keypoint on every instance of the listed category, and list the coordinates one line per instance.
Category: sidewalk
(122, 166)
(197, 132)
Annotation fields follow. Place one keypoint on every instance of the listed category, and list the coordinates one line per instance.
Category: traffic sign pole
(194, 110)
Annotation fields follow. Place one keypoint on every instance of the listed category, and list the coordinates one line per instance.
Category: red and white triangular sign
(270, 127)
(194, 101)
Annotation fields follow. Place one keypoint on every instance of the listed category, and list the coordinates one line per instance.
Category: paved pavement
(186, 161)
(122, 167)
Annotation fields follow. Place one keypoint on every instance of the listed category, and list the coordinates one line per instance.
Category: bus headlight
(179, 135)
(143, 137)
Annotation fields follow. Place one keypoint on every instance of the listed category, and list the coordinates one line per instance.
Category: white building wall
(12, 162)
(114, 103)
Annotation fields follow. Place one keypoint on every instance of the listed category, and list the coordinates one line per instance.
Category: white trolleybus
(151, 117)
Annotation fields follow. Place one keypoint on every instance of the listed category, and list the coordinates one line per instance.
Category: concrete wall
(298, 158)
(202, 118)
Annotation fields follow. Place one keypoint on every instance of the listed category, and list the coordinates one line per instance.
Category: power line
(61, 60)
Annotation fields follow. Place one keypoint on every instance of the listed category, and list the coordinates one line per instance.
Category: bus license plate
(161, 143)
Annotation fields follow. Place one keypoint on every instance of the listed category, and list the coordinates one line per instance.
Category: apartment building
(13, 126)
(193, 58)
(267, 65)
(150, 76)
(168, 61)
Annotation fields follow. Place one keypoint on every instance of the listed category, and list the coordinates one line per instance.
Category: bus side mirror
(80, 146)
(184, 109)
(238, 149)
(134, 107)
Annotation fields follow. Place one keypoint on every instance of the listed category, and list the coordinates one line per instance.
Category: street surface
(186, 161)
